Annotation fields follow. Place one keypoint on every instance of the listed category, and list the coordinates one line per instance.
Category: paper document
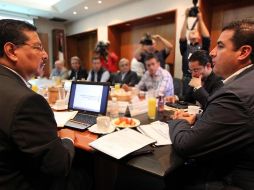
(158, 131)
(64, 116)
(121, 143)
(121, 104)
(138, 108)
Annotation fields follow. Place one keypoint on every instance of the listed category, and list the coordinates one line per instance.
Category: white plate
(95, 129)
(137, 123)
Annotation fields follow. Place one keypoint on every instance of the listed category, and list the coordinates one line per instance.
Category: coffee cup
(194, 110)
(103, 123)
(60, 104)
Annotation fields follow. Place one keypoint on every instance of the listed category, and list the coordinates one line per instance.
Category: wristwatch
(195, 88)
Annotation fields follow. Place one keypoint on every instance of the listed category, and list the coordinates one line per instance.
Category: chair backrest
(177, 86)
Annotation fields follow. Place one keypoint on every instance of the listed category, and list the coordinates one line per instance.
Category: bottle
(161, 103)
(114, 111)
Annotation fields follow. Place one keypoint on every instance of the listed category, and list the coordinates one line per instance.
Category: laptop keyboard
(83, 118)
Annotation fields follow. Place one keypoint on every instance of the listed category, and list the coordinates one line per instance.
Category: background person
(108, 59)
(125, 76)
(77, 72)
(197, 42)
(149, 45)
(203, 83)
(98, 73)
(59, 70)
(156, 78)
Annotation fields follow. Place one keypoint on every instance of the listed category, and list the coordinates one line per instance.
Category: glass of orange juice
(117, 86)
(151, 104)
(35, 88)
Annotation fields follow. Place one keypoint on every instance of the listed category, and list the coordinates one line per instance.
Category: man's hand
(126, 87)
(199, 16)
(184, 115)
(171, 99)
(187, 12)
(196, 82)
(67, 133)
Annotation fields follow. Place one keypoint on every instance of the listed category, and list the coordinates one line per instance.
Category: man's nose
(213, 52)
(45, 56)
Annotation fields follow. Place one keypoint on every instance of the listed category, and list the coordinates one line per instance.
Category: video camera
(146, 39)
(101, 48)
(194, 10)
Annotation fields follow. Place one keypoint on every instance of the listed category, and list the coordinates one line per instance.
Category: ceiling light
(74, 12)
(85, 7)
(99, 2)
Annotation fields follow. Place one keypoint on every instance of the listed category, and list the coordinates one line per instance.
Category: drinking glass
(151, 104)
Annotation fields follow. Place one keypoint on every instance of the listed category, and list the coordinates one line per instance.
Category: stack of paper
(64, 116)
(121, 143)
(158, 131)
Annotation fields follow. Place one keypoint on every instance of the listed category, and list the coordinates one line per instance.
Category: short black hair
(96, 57)
(12, 31)
(202, 57)
(243, 34)
(151, 56)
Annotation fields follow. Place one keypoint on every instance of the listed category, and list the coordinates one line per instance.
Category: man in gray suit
(219, 145)
(32, 156)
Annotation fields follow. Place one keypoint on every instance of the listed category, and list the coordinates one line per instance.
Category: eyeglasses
(195, 70)
(124, 65)
(38, 47)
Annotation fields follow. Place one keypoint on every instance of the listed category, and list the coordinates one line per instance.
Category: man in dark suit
(203, 83)
(125, 76)
(221, 142)
(77, 72)
(32, 154)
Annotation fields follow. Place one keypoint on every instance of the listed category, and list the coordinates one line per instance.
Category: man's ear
(209, 65)
(9, 50)
(245, 52)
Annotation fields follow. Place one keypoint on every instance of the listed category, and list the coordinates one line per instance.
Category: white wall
(137, 9)
(46, 26)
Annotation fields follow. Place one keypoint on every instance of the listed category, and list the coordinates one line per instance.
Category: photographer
(148, 46)
(108, 59)
(196, 42)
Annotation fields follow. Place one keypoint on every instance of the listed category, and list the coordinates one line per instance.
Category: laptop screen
(89, 97)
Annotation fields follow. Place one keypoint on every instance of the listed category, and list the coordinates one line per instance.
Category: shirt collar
(157, 72)
(231, 77)
(26, 83)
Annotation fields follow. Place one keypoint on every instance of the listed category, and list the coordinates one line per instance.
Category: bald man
(59, 70)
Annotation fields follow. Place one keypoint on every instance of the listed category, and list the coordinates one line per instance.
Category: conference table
(145, 171)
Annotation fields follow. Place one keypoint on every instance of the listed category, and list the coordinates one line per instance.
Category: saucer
(59, 108)
(95, 129)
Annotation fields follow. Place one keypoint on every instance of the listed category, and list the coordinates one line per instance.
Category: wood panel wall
(220, 12)
(45, 44)
(82, 45)
(125, 37)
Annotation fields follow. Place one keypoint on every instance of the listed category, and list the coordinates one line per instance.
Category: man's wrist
(197, 87)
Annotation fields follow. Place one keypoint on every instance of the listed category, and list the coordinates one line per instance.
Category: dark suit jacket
(211, 84)
(32, 156)
(78, 75)
(222, 139)
(131, 78)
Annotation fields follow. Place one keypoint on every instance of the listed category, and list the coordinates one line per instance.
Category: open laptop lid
(89, 97)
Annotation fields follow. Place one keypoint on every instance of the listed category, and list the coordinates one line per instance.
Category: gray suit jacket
(31, 154)
(222, 139)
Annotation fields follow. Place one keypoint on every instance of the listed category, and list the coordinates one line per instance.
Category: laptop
(90, 99)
